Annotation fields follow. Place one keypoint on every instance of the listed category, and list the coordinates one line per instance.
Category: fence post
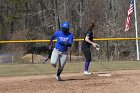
(107, 51)
(70, 55)
(32, 58)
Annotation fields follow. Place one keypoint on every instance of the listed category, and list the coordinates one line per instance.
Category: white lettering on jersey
(63, 39)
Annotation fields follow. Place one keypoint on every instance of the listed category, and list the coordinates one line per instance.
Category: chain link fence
(37, 52)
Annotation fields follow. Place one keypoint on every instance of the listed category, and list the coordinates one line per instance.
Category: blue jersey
(63, 40)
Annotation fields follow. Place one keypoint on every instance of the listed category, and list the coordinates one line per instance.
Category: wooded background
(39, 19)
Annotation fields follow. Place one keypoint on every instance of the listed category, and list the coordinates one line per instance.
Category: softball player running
(59, 54)
(88, 41)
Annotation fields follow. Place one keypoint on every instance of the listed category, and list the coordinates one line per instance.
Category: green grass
(74, 67)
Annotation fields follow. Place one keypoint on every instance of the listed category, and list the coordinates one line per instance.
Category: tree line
(39, 19)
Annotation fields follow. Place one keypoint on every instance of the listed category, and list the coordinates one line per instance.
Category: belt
(60, 52)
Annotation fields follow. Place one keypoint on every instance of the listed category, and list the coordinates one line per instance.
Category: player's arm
(52, 38)
(90, 42)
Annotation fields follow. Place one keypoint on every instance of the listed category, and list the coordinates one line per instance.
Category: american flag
(130, 11)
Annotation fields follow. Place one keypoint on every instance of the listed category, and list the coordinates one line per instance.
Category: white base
(108, 75)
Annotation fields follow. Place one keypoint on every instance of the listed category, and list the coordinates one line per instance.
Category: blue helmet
(65, 25)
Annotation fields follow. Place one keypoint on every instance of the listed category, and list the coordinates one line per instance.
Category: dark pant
(87, 53)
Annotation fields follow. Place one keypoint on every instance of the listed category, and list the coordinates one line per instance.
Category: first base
(104, 75)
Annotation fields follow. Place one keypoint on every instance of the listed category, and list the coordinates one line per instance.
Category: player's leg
(62, 62)
(87, 55)
(54, 57)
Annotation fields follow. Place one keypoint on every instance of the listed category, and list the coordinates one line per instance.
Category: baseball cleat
(58, 78)
(87, 73)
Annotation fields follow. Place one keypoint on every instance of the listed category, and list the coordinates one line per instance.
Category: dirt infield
(127, 81)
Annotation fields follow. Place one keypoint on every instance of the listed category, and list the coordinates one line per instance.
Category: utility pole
(136, 28)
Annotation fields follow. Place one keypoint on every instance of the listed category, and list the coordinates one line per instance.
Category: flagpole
(136, 28)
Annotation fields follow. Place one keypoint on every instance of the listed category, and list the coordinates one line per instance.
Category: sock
(59, 71)
(86, 66)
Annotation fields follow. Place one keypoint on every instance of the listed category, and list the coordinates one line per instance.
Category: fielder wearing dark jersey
(86, 46)
(88, 41)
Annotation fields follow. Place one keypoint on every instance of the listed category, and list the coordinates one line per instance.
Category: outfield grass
(74, 67)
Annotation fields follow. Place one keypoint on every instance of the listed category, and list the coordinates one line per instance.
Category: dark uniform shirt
(90, 35)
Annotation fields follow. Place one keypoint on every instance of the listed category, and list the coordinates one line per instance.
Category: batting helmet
(65, 25)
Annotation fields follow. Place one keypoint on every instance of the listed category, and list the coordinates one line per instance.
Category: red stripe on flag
(130, 11)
